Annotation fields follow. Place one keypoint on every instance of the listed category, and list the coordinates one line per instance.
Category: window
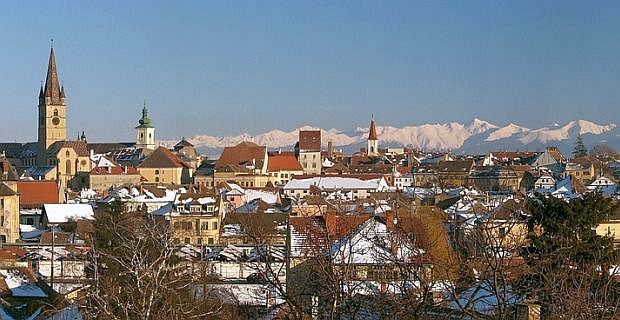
(314, 165)
(29, 221)
(156, 171)
(187, 240)
(2, 220)
(199, 241)
(156, 179)
(205, 226)
(210, 241)
(214, 225)
(141, 135)
(55, 112)
(68, 167)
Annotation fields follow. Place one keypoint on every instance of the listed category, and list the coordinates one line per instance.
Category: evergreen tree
(580, 148)
(567, 260)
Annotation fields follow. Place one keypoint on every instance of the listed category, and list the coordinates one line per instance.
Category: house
(283, 166)
(425, 175)
(108, 174)
(604, 184)
(584, 171)
(162, 166)
(33, 194)
(495, 178)
(246, 154)
(308, 151)
(239, 174)
(194, 219)
(454, 173)
(551, 159)
(403, 178)
(545, 183)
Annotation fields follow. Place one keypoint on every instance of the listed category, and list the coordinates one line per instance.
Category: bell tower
(145, 131)
(52, 111)
(373, 142)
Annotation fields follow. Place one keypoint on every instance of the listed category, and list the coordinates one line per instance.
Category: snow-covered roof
(20, 285)
(62, 213)
(336, 183)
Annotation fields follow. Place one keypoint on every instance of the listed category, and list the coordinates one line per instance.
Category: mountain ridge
(477, 136)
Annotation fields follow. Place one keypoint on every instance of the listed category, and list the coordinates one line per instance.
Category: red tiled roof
(162, 158)
(310, 140)
(37, 192)
(283, 162)
(12, 253)
(242, 154)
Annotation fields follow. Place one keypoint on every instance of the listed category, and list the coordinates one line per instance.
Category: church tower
(52, 111)
(145, 132)
(372, 149)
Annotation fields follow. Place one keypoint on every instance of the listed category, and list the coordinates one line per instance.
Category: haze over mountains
(477, 136)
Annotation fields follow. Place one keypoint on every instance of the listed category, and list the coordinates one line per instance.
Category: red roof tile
(162, 158)
(37, 192)
(242, 154)
(283, 162)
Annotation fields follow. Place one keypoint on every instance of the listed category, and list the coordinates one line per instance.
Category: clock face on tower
(55, 121)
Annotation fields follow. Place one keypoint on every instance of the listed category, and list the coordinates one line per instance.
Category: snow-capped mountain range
(478, 136)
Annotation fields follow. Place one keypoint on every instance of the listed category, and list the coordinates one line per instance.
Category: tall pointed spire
(372, 135)
(52, 88)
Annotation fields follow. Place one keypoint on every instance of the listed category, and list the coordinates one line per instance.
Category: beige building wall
(105, 181)
(9, 215)
(69, 165)
(284, 176)
(609, 228)
(311, 162)
(195, 229)
(163, 175)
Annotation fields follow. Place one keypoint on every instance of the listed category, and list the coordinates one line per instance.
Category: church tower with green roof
(145, 132)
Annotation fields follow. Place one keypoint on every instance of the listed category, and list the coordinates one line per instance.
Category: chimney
(330, 150)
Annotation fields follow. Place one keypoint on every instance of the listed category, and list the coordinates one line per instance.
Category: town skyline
(224, 94)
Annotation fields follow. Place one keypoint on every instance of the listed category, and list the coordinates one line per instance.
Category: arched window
(68, 165)
(67, 153)
(56, 112)
(141, 135)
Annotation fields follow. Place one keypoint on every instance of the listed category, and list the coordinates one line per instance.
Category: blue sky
(228, 67)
